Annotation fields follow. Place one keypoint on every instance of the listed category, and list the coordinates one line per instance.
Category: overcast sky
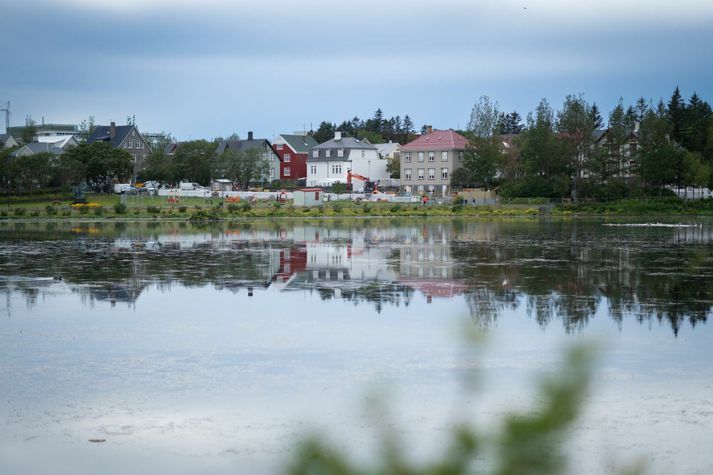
(274, 66)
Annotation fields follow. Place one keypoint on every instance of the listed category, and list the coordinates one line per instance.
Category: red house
(293, 151)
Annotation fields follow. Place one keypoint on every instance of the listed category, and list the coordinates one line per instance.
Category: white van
(122, 188)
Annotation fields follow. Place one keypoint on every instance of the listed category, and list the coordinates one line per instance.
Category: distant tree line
(377, 129)
(646, 148)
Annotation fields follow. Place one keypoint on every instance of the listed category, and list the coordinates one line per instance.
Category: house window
(278, 146)
(336, 169)
(287, 157)
(313, 169)
(129, 144)
(460, 156)
(444, 156)
(363, 154)
(444, 173)
(431, 156)
(431, 173)
(315, 153)
(340, 152)
(272, 172)
(287, 171)
(407, 157)
(407, 174)
(328, 153)
(133, 133)
(134, 158)
(421, 173)
(420, 156)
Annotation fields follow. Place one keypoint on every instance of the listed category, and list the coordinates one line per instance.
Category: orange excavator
(369, 186)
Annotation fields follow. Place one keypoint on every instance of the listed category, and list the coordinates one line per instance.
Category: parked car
(123, 188)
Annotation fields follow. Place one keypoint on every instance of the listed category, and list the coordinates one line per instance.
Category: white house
(329, 163)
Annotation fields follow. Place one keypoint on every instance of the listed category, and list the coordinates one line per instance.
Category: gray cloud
(274, 65)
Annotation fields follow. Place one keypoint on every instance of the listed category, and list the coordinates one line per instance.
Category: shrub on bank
(120, 208)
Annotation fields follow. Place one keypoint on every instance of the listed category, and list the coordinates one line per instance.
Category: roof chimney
(429, 129)
(338, 135)
(250, 135)
(112, 130)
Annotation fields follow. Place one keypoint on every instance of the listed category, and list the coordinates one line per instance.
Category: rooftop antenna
(6, 109)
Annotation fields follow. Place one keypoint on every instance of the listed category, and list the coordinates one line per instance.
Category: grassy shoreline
(104, 207)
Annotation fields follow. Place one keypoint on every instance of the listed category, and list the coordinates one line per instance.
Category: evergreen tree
(596, 117)
(324, 132)
(510, 123)
(642, 107)
(676, 112)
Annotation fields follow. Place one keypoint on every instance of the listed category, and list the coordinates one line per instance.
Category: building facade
(126, 137)
(293, 150)
(428, 162)
(330, 162)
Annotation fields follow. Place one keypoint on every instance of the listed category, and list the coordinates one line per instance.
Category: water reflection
(564, 271)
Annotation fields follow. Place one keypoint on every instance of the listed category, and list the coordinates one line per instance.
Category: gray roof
(345, 143)
(102, 134)
(37, 147)
(4, 137)
(299, 143)
(170, 148)
(244, 145)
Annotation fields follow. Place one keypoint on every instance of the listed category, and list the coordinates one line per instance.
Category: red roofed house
(428, 162)
(293, 151)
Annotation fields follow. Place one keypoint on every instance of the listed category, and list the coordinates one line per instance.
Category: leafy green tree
(576, 125)
(102, 164)
(68, 170)
(160, 167)
(483, 158)
(34, 171)
(542, 152)
(393, 167)
(193, 161)
(484, 118)
(243, 168)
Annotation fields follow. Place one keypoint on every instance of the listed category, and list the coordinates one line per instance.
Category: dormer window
(315, 153)
(328, 153)
(340, 152)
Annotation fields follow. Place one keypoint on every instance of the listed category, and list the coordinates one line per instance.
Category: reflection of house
(425, 264)
(427, 163)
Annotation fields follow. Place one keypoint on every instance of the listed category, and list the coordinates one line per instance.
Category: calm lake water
(211, 350)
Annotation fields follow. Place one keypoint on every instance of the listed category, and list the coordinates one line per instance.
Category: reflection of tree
(566, 271)
(558, 271)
